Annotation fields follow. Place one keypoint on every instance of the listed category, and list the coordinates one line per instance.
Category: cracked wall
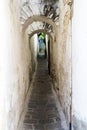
(61, 68)
(15, 66)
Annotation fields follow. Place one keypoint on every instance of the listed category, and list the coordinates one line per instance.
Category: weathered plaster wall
(62, 58)
(79, 65)
(34, 46)
(14, 66)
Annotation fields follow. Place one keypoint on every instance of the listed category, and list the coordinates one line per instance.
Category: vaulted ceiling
(39, 14)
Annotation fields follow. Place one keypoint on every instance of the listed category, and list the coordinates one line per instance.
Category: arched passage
(41, 30)
(30, 20)
(34, 39)
(17, 67)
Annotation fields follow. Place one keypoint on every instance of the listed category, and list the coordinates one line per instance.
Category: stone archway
(34, 18)
(41, 30)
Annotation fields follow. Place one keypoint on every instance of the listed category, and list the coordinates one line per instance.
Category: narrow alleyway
(42, 111)
(43, 94)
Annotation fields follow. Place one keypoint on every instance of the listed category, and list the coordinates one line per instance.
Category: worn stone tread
(42, 111)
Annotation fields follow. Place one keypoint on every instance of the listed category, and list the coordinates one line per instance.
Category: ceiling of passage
(39, 26)
(44, 8)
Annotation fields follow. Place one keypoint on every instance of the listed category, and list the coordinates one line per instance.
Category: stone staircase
(42, 113)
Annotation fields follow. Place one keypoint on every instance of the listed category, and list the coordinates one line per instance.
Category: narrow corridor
(42, 111)
(33, 97)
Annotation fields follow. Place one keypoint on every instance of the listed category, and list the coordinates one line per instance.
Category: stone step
(42, 113)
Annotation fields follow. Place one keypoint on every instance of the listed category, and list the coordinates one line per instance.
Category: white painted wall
(62, 58)
(79, 60)
(47, 38)
(36, 46)
(34, 49)
(14, 66)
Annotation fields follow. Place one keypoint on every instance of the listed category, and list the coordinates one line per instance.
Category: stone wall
(15, 66)
(61, 70)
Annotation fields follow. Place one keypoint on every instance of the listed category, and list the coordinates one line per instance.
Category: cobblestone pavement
(42, 111)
